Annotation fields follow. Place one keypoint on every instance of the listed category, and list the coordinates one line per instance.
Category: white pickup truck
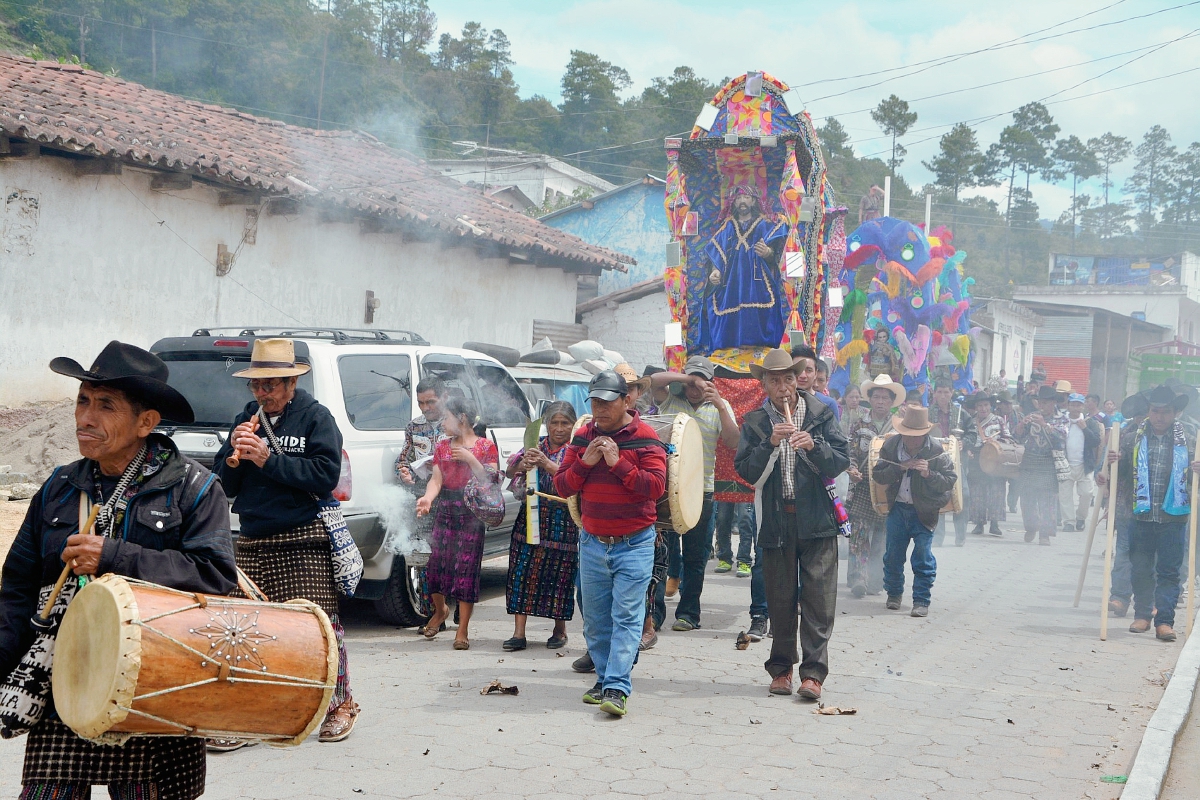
(366, 379)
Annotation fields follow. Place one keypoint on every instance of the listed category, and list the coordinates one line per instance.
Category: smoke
(397, 511)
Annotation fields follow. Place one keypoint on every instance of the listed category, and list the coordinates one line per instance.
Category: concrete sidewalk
(1004, 692)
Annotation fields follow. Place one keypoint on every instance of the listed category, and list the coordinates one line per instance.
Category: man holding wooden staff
(159, 517)
(1157, 455)
(790, 450)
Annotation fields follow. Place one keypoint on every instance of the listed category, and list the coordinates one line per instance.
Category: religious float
(758, 258)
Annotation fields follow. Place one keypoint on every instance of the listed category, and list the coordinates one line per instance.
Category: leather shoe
(1139, 626)
(340, 722)
(782, 684)
(810, 689)
(672, 587)
(1117, 607)
(1165, 633)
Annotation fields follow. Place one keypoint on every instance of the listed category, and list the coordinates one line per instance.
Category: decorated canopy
(750, 273)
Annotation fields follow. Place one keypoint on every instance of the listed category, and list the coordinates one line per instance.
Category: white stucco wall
(1012, 331)
(86, 260)
(634, 329)
(1168, 306)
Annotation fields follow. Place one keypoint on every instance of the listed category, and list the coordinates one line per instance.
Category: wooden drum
(953, 448)
(1000, 458)
(681, 506)
(137, 659)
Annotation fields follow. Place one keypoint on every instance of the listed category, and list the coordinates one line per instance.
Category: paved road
(1004, 692)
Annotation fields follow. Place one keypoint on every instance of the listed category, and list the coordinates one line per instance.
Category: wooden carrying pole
(62, 579)
(1191, 569)
(1087, 548)
(1114, 445)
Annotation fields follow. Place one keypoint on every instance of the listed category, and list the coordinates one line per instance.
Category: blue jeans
(1122, 569)
(674, 555)
(903, 526)
(614, 579)
(1156, 555)
(758, 584)
(730, 514)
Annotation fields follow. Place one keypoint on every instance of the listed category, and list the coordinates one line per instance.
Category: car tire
(402, 602)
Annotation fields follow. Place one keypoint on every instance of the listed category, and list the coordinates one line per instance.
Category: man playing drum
(163, 518)
(791, 449)
(284, 546)
(702, 402)
(868, 539)
(618, 467)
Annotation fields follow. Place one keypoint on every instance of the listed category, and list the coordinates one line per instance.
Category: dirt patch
(12, 514)
(37, 437)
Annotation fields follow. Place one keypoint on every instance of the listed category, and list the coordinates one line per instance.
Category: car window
(206, 380)
(377, 390)
(501, 401)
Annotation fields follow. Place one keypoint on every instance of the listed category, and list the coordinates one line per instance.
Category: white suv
(366, 379)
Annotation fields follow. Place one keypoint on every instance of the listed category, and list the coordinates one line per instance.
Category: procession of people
(162, 518)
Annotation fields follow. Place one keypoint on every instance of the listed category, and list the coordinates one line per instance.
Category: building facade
(541, 178)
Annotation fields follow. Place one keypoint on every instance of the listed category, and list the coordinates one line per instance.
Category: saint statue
(745, 305)
(871, 205)
(881, 357)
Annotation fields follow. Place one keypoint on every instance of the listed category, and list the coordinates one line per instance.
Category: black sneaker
(583, 663)
(594, 696)
(614, 702)
(893, 602)
(758, 629)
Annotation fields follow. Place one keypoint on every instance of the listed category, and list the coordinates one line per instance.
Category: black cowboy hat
(137, 372)
(970, 402)
(1163, 395)
(1136, 405)
(1047, 392)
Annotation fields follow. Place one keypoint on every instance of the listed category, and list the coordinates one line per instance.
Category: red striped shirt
(617, 500)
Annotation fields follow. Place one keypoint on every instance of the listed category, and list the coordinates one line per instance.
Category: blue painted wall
(631, 221)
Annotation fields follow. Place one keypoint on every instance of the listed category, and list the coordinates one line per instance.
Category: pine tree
(894, 119)
(1151, 176)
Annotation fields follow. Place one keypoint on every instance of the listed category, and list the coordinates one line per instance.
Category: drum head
(573, 500)
(97, 657)
(685, 474)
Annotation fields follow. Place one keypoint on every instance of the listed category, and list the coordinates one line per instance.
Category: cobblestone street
(1004, 692)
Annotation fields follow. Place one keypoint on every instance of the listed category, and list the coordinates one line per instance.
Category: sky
(816, 46)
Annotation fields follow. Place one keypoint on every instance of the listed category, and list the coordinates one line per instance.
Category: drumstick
(62, 579)
(236, 458)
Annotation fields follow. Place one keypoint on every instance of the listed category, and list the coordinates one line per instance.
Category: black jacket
(755, 456)
(175, 533)
(929, 494)
(278, 497)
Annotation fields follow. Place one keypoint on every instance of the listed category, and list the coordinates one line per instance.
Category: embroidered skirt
(292, 564)
(176, 765)
(456, 547)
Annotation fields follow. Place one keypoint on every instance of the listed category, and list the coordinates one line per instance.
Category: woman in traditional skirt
(541, 577)
(457, 537)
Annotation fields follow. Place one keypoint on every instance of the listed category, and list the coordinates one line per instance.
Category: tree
(406, 28)
(834, 138)
(590, 88)
(1183, 198)
(1035, 120)
(1110, 150)
(1007, 155)
(1076, 159)
(959, 163)
(1150, 180)
(1108, 220)
(670, 103)
(894, 119)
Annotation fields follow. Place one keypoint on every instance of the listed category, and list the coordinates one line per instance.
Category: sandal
(462, 644)
(423, 630)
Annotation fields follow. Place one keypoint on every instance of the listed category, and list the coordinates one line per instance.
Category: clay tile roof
(67, 107)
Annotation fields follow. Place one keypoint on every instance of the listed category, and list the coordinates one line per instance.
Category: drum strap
(632, 444)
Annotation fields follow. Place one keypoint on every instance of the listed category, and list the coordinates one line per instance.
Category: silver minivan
(366, 378)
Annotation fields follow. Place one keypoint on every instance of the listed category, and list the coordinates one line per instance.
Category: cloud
(803, 43)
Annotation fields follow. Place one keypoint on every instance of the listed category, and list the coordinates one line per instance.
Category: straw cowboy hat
(631, 377)
(777, 360)
(1062, 387)
(884, 381)
(913, 422)
(273, 358)
(137, 372)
